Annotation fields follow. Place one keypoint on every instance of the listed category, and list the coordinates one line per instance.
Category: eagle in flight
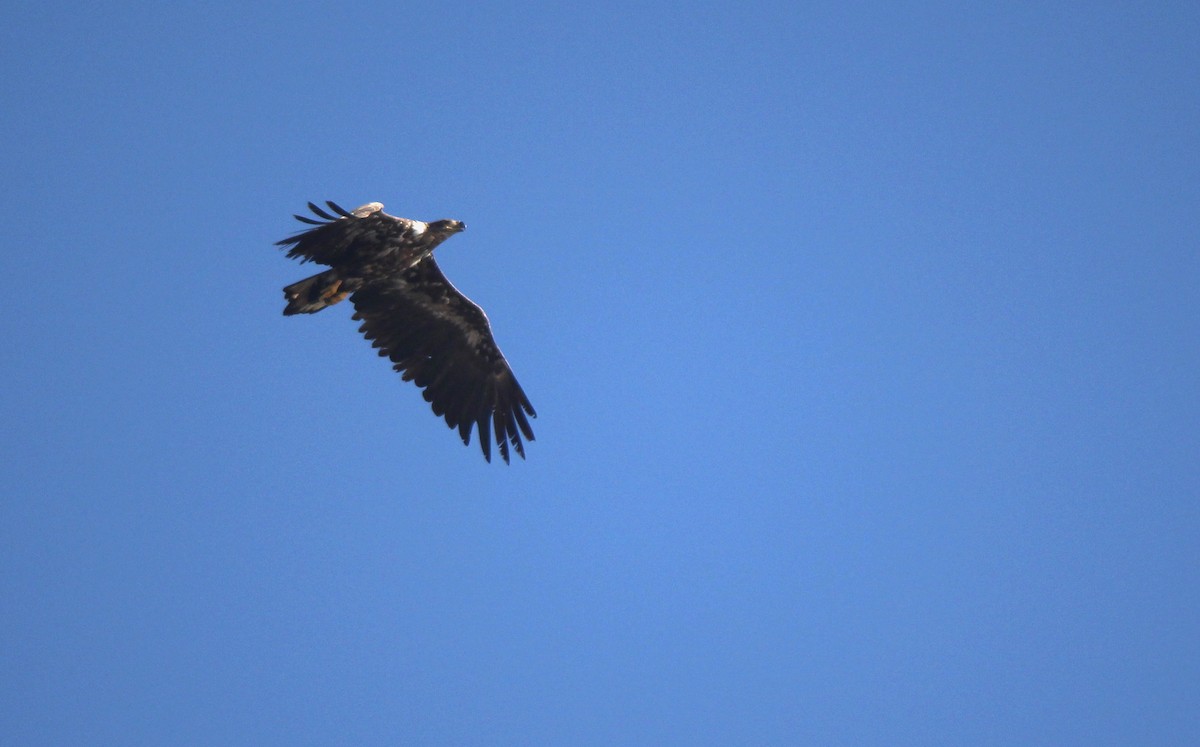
(435, 336)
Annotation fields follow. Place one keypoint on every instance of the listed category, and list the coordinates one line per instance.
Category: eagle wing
(441, 341)
(365, 232)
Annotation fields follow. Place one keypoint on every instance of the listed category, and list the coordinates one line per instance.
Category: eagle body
(433, 334)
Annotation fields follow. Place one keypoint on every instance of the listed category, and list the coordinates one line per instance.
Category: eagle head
(448, 227)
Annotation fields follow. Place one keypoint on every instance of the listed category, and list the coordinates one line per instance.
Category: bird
(434, 336)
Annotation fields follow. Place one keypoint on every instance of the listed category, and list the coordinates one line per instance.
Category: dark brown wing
(367, 233)
(441, 341)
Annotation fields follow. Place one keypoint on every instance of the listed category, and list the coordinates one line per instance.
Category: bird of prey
(435, 336)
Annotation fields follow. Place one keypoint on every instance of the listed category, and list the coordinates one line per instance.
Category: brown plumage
(434, 335)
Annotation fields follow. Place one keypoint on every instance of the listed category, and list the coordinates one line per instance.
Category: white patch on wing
(418, 227)
(446, 310)
(365, 210)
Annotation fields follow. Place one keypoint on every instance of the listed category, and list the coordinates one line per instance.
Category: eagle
(434, 335)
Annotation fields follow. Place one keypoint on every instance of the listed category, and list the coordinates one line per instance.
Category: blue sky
(863, 339)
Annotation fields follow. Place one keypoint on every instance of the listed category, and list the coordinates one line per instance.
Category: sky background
(863, 338)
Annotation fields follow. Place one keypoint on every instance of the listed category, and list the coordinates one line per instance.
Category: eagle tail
(315, 293)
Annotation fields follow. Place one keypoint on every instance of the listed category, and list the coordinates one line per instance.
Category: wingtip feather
(319, 212)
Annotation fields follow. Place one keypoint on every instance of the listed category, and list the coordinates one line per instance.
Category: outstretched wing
(367, 232)
(441, 341)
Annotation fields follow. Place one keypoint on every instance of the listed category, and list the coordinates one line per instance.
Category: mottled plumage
(434, 335)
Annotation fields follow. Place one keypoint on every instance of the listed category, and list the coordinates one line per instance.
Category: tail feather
(315, 293)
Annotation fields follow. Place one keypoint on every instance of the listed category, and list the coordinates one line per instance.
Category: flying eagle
(435, 336)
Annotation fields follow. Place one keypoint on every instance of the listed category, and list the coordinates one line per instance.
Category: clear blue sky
(865, 340)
